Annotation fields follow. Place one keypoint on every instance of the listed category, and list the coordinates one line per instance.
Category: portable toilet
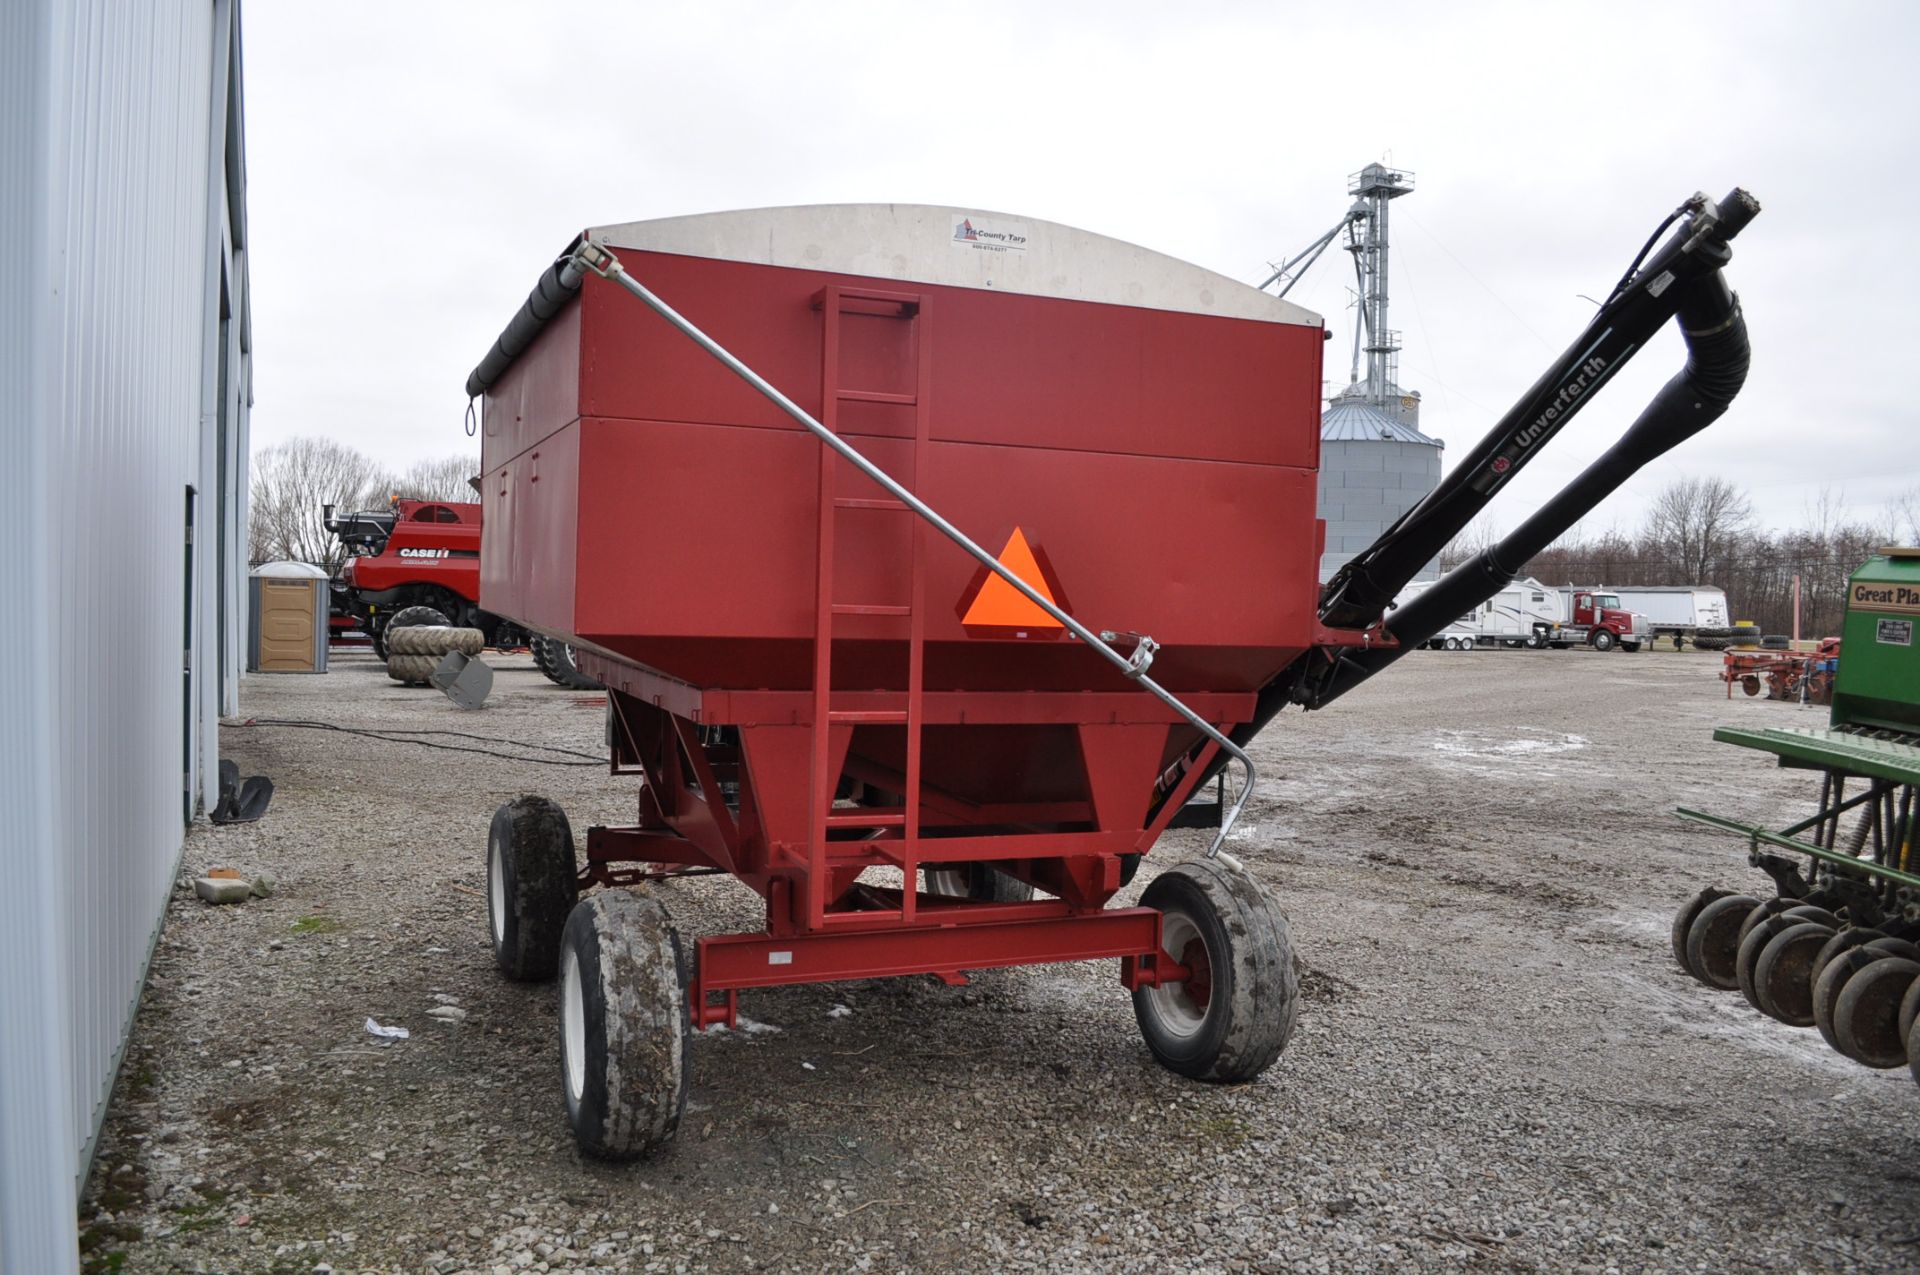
(287, 614)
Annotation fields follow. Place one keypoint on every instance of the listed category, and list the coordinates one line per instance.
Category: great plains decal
(1901, 599)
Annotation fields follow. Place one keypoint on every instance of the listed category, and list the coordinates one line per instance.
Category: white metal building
(124, 392)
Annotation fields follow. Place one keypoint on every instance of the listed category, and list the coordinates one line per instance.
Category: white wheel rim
(950, 882)
(496, 893)
(573, 1027)
(1172, 1005)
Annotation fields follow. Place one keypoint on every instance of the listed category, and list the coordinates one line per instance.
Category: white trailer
(1696, 613)
(1519, 615)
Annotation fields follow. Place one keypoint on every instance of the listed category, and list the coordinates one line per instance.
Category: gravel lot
(1497, 1065)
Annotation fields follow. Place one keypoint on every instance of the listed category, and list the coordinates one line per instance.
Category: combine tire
(625, 1036)
(436, 640)
(977, 881)
(407, 617)
(555, 659)
(531, 886)
(1603, 640)
(1776, 642)
(411, 670)
(1231, 1017)
(1866, 1018)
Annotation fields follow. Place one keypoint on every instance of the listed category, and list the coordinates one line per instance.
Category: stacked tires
(418, 638)
(1803, 965)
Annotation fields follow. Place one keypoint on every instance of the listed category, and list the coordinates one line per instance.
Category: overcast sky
(414, 166)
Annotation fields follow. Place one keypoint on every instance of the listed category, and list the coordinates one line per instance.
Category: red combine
(933, 560)
(417, 553)
(419, 563)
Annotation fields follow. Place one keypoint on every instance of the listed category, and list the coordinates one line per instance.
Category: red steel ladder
(832, 727)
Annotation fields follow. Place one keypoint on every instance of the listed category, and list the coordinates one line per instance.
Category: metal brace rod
(601, 261)
(1755, 835)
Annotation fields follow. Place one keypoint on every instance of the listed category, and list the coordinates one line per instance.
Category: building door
(189, 718)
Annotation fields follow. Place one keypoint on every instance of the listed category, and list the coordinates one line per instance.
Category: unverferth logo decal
(981, 234)
(1548, 420)
(1593, 371)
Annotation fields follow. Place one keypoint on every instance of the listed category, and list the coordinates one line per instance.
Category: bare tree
(442, 479)
(289, 484)
(1482, 533)
(1697, 522)
(1903, 517)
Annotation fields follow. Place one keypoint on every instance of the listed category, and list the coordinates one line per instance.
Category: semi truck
(1522, 614)
(1596, 618)
(1694, 613)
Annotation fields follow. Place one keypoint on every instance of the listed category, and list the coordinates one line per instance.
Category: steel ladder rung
(867, 819)
(876, 396)
(870, 608)
(870, 502)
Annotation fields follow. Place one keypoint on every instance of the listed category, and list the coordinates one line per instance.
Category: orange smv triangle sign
(997, 609)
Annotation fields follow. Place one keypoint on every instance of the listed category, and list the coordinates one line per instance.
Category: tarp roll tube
(559, 285)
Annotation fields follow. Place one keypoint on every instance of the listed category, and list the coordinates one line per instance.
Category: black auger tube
(1717, 357)
(1359, 593)
(1682, 278)
(556, 287)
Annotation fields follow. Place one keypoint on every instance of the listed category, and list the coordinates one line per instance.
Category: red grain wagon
(838, 516)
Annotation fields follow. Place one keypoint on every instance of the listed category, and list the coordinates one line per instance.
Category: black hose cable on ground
(400, 737)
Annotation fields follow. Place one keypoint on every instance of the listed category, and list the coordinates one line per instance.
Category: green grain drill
(1878, 686)
(1835, 947)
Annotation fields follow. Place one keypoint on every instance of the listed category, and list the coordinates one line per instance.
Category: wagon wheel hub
(1198, 986)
